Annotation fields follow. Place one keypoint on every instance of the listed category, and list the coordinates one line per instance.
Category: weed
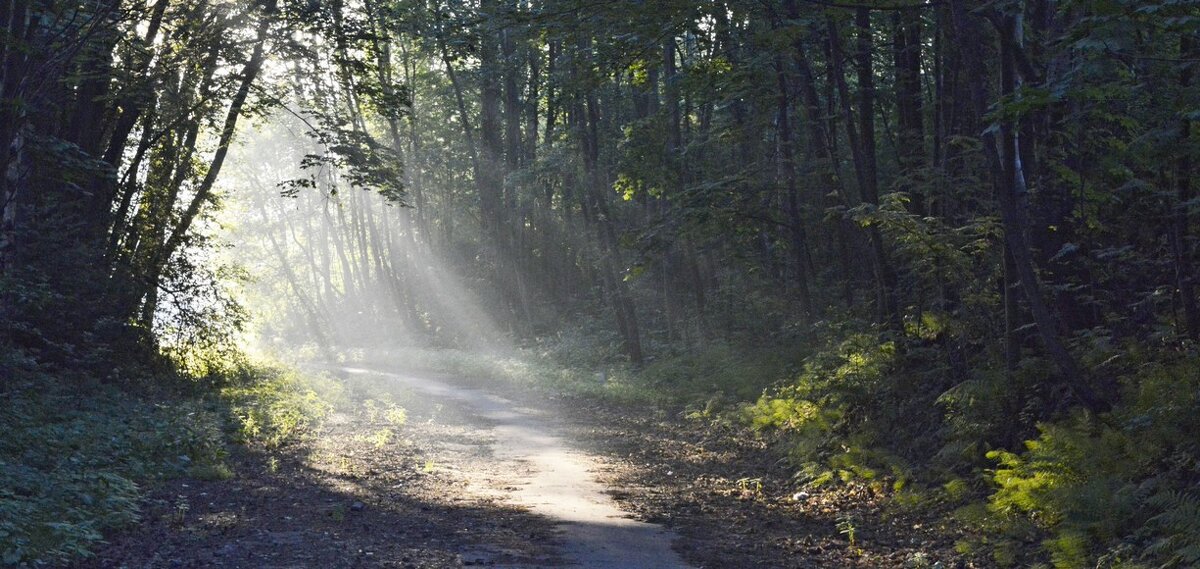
(179, 511)
(345, 465)
(750, 487)
(921, 560)
(395, 415)
(846, 526)
(382, 437)
(371, 410)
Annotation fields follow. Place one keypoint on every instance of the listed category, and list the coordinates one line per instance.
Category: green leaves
(354, 156)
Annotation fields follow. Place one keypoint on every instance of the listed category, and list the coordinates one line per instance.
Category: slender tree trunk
(862, 146)
(491, 155)
(909, 105)
(1003, 159)
(17, 24)
(787, 157)
(532, 104)
(1184, 273)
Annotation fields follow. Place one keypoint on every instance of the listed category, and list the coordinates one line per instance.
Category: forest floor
(471, 478)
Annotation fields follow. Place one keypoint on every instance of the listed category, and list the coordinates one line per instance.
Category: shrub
(274, 409)
(75, 453)
(821, 413)
(1094, 485)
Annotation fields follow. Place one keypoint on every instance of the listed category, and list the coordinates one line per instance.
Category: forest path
(411, 471)
(550, 477)
(421, 471)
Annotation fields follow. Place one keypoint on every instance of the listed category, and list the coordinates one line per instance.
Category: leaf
(1066, 250)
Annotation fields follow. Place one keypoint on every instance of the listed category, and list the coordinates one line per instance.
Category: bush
(1096, 485)
(275, 408)
(824, 415)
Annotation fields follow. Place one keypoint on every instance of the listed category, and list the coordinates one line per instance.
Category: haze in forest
(339, 266)
(941, 254)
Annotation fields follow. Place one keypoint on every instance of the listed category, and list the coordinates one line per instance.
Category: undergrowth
(920, 418)
(1121, 489)
(77, 453)
(1114, 489)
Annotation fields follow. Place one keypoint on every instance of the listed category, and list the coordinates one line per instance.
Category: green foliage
(1177, 527)
(1093, 483)
(68, 463)
(994, 408)
(75, 453)
(821, 413)
(790, 415)
(939, 254)
(274, 409)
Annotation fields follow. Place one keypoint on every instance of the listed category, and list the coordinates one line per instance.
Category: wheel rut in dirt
(555, 480)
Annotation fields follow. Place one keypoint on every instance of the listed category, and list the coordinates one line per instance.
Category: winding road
(555, 480)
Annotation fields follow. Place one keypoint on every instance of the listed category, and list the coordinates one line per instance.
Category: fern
(1179, 524)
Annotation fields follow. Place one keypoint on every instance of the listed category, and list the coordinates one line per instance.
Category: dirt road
(557, 482)
(467, 479)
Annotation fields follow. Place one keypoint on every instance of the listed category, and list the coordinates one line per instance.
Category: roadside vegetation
(78, 453)
(943, 250)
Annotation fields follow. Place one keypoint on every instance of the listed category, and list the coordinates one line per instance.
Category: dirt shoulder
(734, 503)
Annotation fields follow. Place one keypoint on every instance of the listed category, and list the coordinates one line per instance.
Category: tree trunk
(909, 105)
(787, 157)
(862, 146)
(1184, 273)
(1005, 169)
